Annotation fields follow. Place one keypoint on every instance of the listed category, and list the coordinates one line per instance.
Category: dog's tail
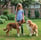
(6, 28)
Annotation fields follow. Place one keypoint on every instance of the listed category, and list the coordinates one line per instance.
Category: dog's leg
(7, 32)
(20, 29)
(36, 31)
(18, 34)
(31, 32)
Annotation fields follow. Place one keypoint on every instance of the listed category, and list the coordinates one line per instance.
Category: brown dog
(32, 27)
(15, 26)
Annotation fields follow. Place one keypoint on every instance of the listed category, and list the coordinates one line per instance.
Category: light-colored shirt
(20, 15)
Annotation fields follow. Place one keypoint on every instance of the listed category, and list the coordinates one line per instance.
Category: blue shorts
(18, 20)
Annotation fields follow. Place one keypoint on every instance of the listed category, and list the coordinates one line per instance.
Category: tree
(27, 3)
(15, 2)
(24, 2)
(5, 2)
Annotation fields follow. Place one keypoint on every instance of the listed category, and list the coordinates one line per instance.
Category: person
(19, 15)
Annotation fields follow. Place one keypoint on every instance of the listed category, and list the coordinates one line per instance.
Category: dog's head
(29, 22)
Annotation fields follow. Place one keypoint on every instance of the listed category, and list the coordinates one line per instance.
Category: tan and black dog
(15, 26)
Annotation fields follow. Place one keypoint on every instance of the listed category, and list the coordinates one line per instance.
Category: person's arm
(23, 16)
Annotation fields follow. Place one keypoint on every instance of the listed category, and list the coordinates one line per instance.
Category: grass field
(13, 33)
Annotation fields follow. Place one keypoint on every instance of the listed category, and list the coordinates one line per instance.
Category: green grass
(13, 33)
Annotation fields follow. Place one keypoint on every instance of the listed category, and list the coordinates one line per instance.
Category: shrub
(5, 12)
(25, 18)
(36, 14)
(2, 21)
(11, 16)
(4, 17)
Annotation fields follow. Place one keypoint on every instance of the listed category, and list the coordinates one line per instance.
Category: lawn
(13, 32)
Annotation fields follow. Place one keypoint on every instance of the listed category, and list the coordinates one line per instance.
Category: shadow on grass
(15, 36)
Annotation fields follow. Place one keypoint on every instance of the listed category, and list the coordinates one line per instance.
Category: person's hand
(23, 21)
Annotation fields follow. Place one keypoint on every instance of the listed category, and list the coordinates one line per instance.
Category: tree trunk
(9, 7)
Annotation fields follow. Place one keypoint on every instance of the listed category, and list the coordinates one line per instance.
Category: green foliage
(2, 21)
(36, 14)
(25, 18)
(5, 12)
(24, 2)
(14, 2)
(4, 17)
(11, 16)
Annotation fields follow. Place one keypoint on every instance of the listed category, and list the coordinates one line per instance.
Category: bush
(5, 12)
(28, 13)
(4, 17)
(36, 14)
(25, 18)
(2, 21)
(11, 16)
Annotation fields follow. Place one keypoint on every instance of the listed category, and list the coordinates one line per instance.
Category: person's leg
(22, 29)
